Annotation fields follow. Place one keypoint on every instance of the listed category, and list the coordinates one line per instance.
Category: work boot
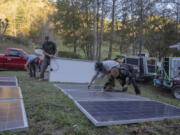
(110, 88)
(138, 92)
(41, 79)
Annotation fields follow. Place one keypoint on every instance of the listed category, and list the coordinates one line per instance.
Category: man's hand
(25, 66)
(52, 56)
(102, 90)
(102, 76)
(125, 87)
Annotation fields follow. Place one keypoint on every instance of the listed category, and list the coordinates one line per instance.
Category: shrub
(68, 55)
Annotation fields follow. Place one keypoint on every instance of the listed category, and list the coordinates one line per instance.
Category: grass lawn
(50, 112)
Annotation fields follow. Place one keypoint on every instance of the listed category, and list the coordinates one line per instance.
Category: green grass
(50, 112)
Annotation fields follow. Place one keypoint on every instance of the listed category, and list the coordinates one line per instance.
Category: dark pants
(33, 67)
(133, 81)
(136, 88)
(44, 66)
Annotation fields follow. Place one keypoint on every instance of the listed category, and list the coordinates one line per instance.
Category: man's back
(30, 58)
(109, 64)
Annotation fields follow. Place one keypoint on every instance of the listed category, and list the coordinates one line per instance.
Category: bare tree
(112, 30)
(102, 32)
(95, 30)
(3, 26)
(177, 20)
(140, 25)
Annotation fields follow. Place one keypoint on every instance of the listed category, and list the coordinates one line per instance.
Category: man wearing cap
(104, 69)
(50, 51)
(125, 74)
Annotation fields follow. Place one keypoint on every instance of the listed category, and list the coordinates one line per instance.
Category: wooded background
(125, 26)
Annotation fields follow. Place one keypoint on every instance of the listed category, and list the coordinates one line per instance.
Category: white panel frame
(71, 70)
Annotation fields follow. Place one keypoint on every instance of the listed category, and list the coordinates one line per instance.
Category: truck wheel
(176, 92)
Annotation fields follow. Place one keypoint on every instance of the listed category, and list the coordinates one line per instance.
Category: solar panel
(8, 78)
(110, 108)
(8, 83)
(12, 115)
(10, 92)
(78, 87)
(102, 96)
(61, 70)
(103, 113)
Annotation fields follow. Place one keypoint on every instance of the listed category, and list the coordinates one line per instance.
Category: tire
(176, 91)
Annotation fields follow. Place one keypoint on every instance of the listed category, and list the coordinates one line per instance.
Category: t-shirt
(49, 47)
(30, 58)
(107, 66)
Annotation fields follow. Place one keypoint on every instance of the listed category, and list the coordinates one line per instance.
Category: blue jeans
(44, 66)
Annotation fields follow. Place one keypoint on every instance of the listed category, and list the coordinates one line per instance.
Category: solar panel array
(12, 111)
(108, 108)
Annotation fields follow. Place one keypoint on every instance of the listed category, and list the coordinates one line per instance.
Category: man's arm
(55, 48)
(108, 82)
(26, 65)
(93, 78)
(56, 51)
(47, 54)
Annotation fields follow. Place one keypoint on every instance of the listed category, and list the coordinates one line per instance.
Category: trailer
(145, 67)
(168, 75)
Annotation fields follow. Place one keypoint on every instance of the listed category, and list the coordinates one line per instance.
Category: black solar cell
(79, 87)
(94, 96)
(8, 83)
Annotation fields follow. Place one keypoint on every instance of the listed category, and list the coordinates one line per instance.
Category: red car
(13, 58)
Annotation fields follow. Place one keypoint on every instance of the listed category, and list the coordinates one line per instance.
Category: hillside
(12, 44)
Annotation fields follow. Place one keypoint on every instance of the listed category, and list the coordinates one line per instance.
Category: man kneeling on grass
(103, 69)
(32, 65)
(125, 74)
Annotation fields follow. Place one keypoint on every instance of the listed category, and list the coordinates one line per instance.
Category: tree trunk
(133, 30)
(112, 31)
(98, 5)
(102, 32)
(74, 50)
(95, 31)
(141, 27)
(177, 30)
